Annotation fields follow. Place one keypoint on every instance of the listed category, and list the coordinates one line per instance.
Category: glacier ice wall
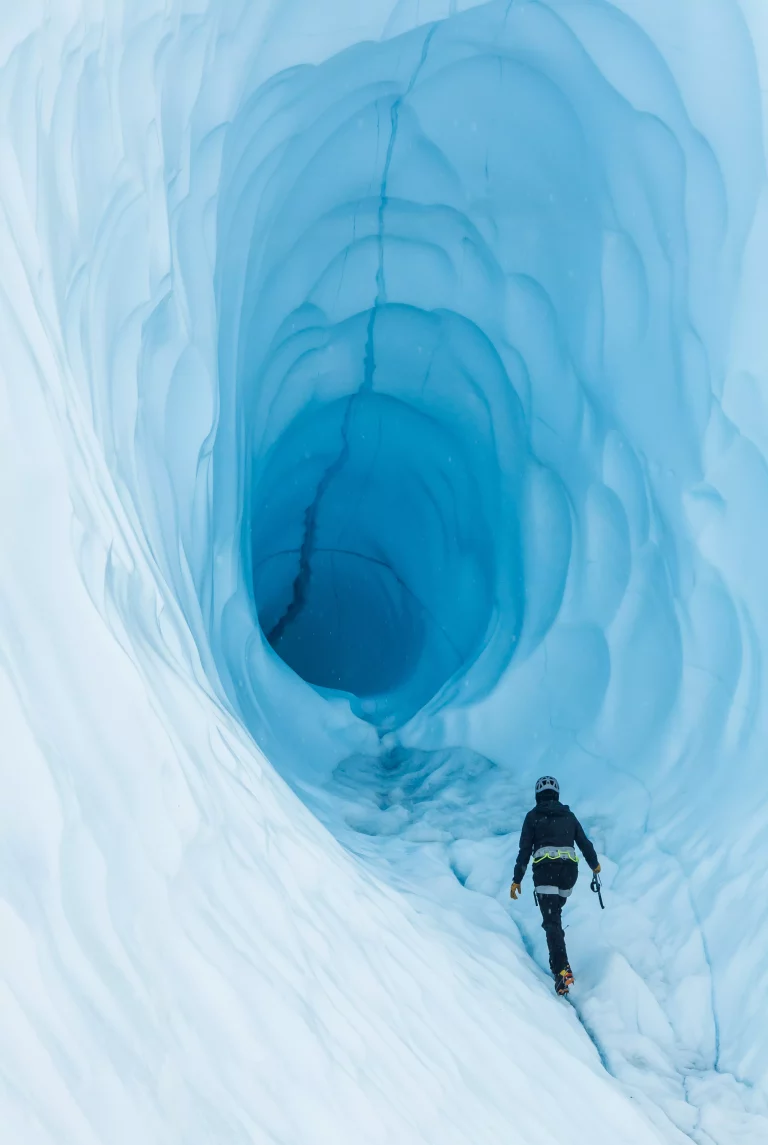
(423, 354)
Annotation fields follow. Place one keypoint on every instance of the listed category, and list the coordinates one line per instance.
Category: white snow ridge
(383, 424)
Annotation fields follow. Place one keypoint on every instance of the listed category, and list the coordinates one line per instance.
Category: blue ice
(471, 296)
(423, 349)
(475, 293)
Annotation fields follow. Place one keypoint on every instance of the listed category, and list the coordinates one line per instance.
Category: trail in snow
(444, 826)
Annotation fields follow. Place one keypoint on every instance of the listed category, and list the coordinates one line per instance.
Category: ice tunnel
(388, 427)
(450, 466)
(382, 244)
(472, 291)
(475, 290)
(385, 447)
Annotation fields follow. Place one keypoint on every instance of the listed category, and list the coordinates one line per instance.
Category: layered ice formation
(384, 424)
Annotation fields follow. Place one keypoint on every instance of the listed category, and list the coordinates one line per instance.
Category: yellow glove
(514, 890)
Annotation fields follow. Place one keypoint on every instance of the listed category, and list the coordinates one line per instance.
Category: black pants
(558, 873)
(551, 907)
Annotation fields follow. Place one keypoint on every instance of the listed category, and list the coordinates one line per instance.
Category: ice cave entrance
(373, 563)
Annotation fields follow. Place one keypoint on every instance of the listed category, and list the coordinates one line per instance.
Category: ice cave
(383, 426)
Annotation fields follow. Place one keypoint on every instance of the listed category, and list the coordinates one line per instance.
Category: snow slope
(383, 425)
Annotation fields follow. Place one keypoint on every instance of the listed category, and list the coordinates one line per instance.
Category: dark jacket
(551, 824)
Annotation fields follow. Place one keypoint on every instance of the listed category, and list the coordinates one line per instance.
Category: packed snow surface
(383, 425)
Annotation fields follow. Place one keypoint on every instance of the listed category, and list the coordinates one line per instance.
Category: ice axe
(595, 885)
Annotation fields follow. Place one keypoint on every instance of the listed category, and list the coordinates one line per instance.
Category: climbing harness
(595, 885)
(555, 853)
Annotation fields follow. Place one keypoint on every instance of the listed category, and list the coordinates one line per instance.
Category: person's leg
(551, 907)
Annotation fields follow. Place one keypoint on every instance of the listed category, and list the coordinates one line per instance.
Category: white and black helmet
(547, 783)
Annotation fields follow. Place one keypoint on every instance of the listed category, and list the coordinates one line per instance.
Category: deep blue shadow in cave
(373, 561)
(360, 629)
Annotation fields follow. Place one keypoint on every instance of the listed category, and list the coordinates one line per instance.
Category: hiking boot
(562, 981)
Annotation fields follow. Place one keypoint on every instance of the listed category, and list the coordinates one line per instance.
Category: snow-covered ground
(427, 337)
(445, 825)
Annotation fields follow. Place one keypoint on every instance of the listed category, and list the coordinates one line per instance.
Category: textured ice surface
(383, 424)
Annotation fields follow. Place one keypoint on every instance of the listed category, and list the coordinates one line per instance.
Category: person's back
(550, 834)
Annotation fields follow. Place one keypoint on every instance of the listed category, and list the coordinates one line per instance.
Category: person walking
(549, 833)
